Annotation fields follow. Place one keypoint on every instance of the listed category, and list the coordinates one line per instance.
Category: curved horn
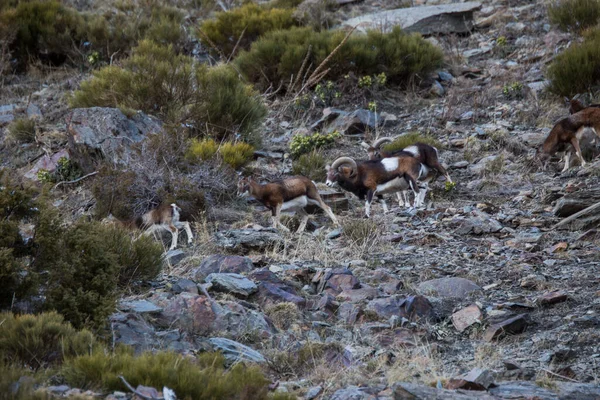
(344, 160)
(377, 144)
(365, 145)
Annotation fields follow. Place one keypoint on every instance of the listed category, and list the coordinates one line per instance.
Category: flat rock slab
(550, 298)
(427, 20)
(218, 263)
(232, 283)
(466, 317)
(139, 306)
(245, 240)
(448, 287)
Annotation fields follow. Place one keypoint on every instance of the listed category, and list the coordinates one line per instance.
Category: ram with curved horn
(375, 177)
(426, 154)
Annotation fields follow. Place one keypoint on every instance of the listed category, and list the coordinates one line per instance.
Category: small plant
(360, 232)
(283, 314)
(372, 106)
(494, 167)
(574, 15)
(204, 149)
(513, 90)
(327, 93)
(365, 81)
(302, 144)
(311, 165)
(449, 186)
(66, 170)
(381, 79)
(236, 155)
(501, 41)
(22, 131)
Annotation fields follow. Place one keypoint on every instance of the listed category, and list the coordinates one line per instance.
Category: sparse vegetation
(409, 139)
(283, 314)
(238, 28)
(302, 144)
(360, 231)
(66, 170)
(577, 69)
(311, 165)
(157, 80)
(203, 378)
(22, 131)
(513, 90)
(277, 56)
(574, 15)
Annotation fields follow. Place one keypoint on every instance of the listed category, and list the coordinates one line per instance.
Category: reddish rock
(512, 326)
(358, 295)
(272, 290)
(466, 317)
(476, 379)
(561, 246)
(412, 307)
(552, 298)
(190, 312)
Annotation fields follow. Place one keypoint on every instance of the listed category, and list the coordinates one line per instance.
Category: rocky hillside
(482, 294)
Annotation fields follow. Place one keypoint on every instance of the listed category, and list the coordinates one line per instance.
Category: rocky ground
(479, 291)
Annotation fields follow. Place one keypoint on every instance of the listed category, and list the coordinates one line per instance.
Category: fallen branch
(143, 396)
(577, 215)
(559, 375)
(74, 180)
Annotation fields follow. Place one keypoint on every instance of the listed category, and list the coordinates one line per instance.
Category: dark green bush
(311, 165)
(43, 28)
(408, 139)
(156, 80)
(577, 69)
(574, 15)
(244, 24)
(204, 379)
(95, 260)
(277, 57)
(37, 341)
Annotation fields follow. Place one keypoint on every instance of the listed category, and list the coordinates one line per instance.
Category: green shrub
(157, 80)
(574, 15)
(277, 56)
(513, 90)
(204, 379)
(230, 106)
(95, 260)
(204, 149)
(236, 155)
(38, 341)
(244, 24)
(409, 139)
(283, 3)
(22, 131)
(311, 165)
(302, 144)
(577, 69)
